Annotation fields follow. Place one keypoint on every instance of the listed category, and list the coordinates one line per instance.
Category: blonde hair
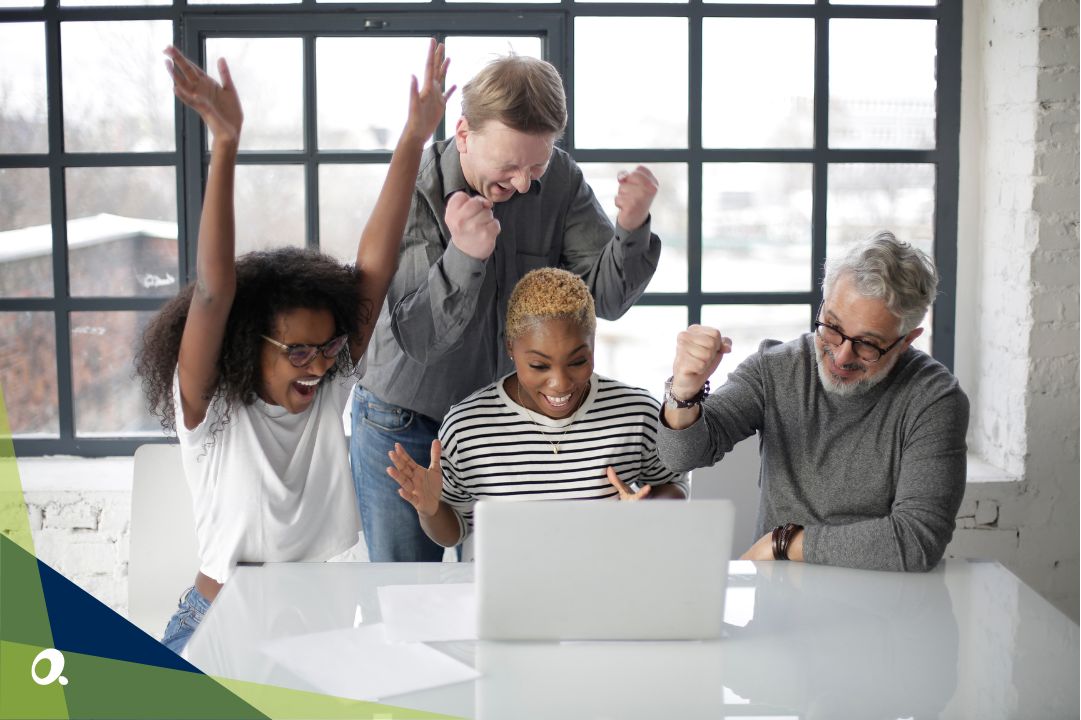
(523, 93)
(549, 294)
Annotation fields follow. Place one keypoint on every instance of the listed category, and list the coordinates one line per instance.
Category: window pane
(241, 2)
(347, 194)
(757, 82)
(469, 54)
(756, 227)
(122, 231)
(864, 198)
(365, 110)
(882, 83)
(23, 109)
(632, 1)
(107, 401)
(28, 373)
(762, 2)
(269, 207)
(628, 98)
(669, 215)
(538, 2)
(268, 77)
(26, 234)
(749, 325)
(883, 2)
(117, 95)
(103, 3)
(626, 352)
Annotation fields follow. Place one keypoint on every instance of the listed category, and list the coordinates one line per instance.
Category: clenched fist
(634, 196)
(699, 350)
(473, 228)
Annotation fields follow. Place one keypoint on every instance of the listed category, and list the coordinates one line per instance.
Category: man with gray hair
(861, 436)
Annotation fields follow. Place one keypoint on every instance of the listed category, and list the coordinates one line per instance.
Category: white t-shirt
(269, 486)
(493, 449)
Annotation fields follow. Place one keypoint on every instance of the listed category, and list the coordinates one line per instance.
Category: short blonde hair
(523, 93)
(549, 294)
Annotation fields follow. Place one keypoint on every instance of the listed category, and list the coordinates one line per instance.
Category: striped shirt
(493, 449)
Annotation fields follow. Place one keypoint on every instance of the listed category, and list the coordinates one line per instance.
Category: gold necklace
(554, 445)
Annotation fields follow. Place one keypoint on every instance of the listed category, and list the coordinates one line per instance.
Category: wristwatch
(673, 403)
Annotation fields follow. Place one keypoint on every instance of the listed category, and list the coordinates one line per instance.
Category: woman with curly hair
(252, 364)
(551, 430)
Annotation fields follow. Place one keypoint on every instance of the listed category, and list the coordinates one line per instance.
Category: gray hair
(890, 269)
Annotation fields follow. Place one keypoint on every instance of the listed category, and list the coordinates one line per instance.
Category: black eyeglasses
(868, 352)
(302, 355)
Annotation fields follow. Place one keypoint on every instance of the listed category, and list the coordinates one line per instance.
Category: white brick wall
(1021, 83)
(84, 536)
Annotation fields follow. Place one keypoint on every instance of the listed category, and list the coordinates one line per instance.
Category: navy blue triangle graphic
(83, 624)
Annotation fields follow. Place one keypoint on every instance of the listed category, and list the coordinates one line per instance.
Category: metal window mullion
(947, 178)
(182, 260)
(191, 131)
(694, 162)
(311, 142)
(58, 219)
(565, 66)
(820, 162)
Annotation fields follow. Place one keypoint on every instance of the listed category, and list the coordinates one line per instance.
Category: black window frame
(554, 22)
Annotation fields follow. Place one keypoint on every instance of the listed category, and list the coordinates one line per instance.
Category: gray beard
(850, 389)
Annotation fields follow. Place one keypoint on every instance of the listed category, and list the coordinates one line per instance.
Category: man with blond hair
(861, 436)
(491, 203)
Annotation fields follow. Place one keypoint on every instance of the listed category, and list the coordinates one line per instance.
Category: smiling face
(498, 162)
(841, 371)
(554, 361)
(283, 384)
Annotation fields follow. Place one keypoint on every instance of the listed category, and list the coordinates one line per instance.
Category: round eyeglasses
(866, 351)
(303, 355)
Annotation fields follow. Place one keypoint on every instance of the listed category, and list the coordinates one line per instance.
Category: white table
(966, 640)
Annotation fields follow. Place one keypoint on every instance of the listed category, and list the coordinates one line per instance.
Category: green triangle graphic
(288, 704)
(23, 616)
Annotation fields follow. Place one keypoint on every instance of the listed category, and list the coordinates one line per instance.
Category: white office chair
(164, 554)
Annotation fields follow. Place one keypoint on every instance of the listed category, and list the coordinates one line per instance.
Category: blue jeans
(189, 613)
(392, 530)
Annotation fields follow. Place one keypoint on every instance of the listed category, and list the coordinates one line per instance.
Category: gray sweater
(876, 479)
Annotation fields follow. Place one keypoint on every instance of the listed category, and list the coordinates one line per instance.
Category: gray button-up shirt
(440, 334)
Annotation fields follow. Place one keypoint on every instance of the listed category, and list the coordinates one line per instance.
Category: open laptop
(651, 570)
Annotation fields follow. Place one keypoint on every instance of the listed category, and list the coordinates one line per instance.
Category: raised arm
(616, 263)
(215, 270)
(377, 253)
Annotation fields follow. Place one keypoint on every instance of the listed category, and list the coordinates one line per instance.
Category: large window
(779, 133)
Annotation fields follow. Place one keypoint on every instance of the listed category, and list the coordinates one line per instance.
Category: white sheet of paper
(429, 613)
(359, 663)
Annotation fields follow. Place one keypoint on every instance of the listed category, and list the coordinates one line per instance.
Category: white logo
(56, 666)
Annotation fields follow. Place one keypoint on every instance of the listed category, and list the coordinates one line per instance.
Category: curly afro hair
(267, 283)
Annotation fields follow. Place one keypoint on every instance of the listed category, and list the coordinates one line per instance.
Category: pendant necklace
(554, 445)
